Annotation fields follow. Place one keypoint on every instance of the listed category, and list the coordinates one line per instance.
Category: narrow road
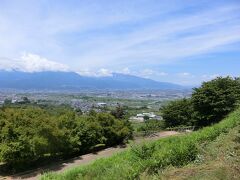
(84, 159)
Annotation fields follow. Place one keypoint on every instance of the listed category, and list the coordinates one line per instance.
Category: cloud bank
(31, 63)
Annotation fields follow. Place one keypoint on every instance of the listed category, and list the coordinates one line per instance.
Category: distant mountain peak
(59, 80)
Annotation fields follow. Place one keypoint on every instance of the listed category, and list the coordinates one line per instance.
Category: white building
(150, 115)
(101, 104)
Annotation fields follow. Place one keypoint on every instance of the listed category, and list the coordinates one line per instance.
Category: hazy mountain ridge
(73, 81)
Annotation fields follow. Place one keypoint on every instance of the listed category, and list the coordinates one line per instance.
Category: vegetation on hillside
(151, 157)
(219, 159)
(30, 132)
(208, 105)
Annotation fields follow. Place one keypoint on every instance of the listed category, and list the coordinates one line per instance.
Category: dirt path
(84, 159)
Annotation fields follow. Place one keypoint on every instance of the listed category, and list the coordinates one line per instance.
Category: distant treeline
(30, 132)
(208, 104)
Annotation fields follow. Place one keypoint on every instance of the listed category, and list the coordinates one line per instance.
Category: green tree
(215, 99)
(25, 100)
(114, 129)
(146, 118)
(79, 111)
(92, 112)
(118, 112)
(178, 112)
(7, 101)
(30, 132)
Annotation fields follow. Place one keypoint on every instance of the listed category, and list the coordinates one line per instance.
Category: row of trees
(209, 104)
(31, 132)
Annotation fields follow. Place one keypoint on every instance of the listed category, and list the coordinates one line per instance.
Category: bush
(150, 126)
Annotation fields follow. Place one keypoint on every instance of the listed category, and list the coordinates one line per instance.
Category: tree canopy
(30, 132)
(208, 104)
(178, 112)
(215, 99)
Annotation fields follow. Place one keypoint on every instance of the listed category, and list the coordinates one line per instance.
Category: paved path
(84, 159)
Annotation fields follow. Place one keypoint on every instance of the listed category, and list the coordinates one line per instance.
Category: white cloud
(125, 70)
(104, 72)
(99, 73)
(86, 72)
(147, 73)
(29, 62)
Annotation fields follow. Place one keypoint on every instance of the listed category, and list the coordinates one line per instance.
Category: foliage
(146, 118)
(178, 112)
(208, 104)
(30, 132)
(118, 112)
(143, 151)
(215, 99)
(7, 101)
(150, 126)
(171, 151)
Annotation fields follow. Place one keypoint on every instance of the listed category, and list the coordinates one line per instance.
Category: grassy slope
(151, 157)
(219, 159)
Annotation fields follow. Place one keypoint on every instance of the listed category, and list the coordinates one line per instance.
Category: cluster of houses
(86, 106)
(143, 116)
(13, 100)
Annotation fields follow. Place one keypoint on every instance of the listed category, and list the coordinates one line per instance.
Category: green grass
(219, 159)
(151, 157)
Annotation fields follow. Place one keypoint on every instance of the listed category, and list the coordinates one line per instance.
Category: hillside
(217, 160)
(73, 81)
(150, 158)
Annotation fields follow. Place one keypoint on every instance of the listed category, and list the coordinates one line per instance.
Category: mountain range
(73, 81)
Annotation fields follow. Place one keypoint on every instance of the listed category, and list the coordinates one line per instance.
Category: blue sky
(180, 41)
